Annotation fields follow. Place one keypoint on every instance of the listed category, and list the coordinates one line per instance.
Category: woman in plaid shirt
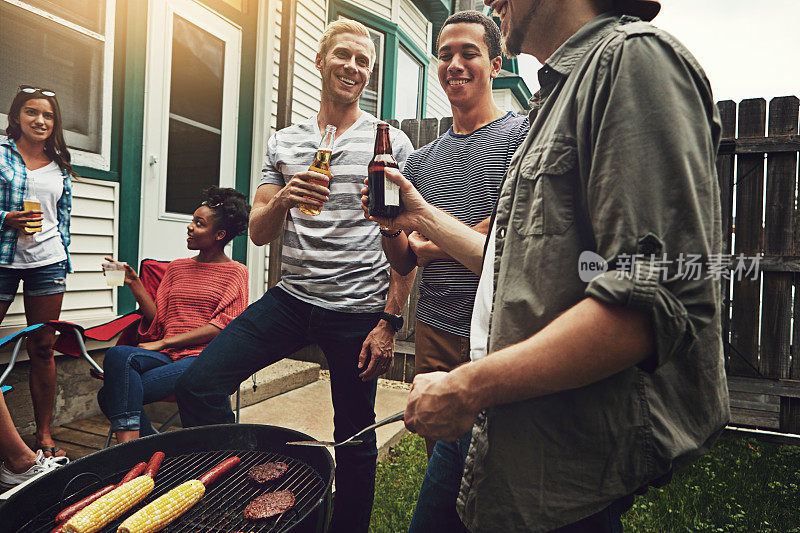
(35, 203)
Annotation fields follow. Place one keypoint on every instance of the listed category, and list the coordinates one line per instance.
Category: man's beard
(512, 45)
(337, 98)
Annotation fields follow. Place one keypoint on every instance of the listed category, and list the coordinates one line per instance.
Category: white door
(191, 108)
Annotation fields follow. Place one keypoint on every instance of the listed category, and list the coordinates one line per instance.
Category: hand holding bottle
(413, 211)
(307, 188)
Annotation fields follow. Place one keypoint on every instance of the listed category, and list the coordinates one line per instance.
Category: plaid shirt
(13, 184)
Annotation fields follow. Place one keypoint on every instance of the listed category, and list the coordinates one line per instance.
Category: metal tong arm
(388, 420)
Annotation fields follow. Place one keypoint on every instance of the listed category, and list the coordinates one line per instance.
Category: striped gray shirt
(333, 260)
(461, 174)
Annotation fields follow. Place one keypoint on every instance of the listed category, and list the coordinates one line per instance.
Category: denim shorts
(39, 281)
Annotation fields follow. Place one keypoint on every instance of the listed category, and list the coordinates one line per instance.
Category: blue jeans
(269, 330)
(436, 505)
(134, 377)
(38, 281)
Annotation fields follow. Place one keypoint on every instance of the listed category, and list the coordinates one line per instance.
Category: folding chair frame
(20, 336)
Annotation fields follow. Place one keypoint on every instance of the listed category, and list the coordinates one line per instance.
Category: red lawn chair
(71, 340)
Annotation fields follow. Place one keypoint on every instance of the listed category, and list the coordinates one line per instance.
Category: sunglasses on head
(207, 203)
(30, 90)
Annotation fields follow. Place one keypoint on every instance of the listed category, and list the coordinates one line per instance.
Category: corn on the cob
(159, 513)
(99, 513)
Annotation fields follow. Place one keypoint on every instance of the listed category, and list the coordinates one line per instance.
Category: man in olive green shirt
(592, 389)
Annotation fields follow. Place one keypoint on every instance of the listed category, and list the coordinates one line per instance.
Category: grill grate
(221, 508)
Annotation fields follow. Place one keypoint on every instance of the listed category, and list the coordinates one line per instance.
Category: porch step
(309, 410)
(283, 376)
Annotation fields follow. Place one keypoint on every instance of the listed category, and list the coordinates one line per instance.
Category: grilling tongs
(352, 441)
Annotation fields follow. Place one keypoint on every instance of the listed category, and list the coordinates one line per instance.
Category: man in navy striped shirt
(460, 173)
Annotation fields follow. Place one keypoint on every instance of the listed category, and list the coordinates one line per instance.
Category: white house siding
(276, 59)
(382, 8)
(312, 16)
(413, 23)
(93, 226)
(437, 104)
(505, 100)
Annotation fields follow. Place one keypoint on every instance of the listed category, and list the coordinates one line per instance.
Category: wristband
(391, 235)
(396, 321)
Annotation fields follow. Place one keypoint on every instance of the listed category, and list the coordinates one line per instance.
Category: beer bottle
(321, 164)
(384, 196)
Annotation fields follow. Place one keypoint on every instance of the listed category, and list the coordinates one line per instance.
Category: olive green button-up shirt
(620, 160)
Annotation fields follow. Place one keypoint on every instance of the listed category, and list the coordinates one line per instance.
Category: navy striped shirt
(335, 259)
(461, 174)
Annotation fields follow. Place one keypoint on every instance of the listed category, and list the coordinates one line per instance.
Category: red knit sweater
(193, 294)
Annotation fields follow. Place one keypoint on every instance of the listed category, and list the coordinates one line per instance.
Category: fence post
(444, 125)
(748, 239)
(727, 113)
(410, 127)
(779, 240)
(428, 130)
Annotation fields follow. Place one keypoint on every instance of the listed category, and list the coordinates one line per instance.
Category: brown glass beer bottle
(321, 164)
(384, 196)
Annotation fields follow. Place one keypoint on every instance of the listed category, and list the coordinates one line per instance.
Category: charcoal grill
(189, 454)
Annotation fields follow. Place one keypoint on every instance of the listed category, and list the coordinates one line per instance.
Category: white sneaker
(41, 466)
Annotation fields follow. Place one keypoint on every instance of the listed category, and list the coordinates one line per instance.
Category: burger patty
(269, 504)
(267, 472)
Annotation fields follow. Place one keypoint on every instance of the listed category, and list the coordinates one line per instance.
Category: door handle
(153, 160)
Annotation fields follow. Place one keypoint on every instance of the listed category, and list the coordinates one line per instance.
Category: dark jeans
(270, 329)
(436, 506)
(133, 377)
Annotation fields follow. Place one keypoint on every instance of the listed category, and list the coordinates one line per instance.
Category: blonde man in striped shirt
(335, 289)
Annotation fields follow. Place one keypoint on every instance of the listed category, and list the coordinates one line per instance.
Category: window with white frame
(65, 46)
(408, 90)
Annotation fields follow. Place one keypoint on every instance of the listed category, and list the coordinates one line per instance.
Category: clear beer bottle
(321, 164)
(384, 196)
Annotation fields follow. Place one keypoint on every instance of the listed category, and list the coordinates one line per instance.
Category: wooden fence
(760, 329)
(757, 168)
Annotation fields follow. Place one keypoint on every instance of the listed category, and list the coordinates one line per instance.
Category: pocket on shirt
(544, 198)
(6, 173)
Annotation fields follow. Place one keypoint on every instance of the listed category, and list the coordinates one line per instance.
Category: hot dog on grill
(68, 512)
(77, 506)
(154, 464)
(220, 470)
(135, 472)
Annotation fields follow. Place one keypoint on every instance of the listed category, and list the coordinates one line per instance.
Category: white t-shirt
(45, 247)
(479, 326)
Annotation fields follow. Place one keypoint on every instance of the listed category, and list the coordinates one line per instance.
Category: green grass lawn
(742, 485)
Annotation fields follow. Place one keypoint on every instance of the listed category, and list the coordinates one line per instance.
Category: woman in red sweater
(197, 297)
